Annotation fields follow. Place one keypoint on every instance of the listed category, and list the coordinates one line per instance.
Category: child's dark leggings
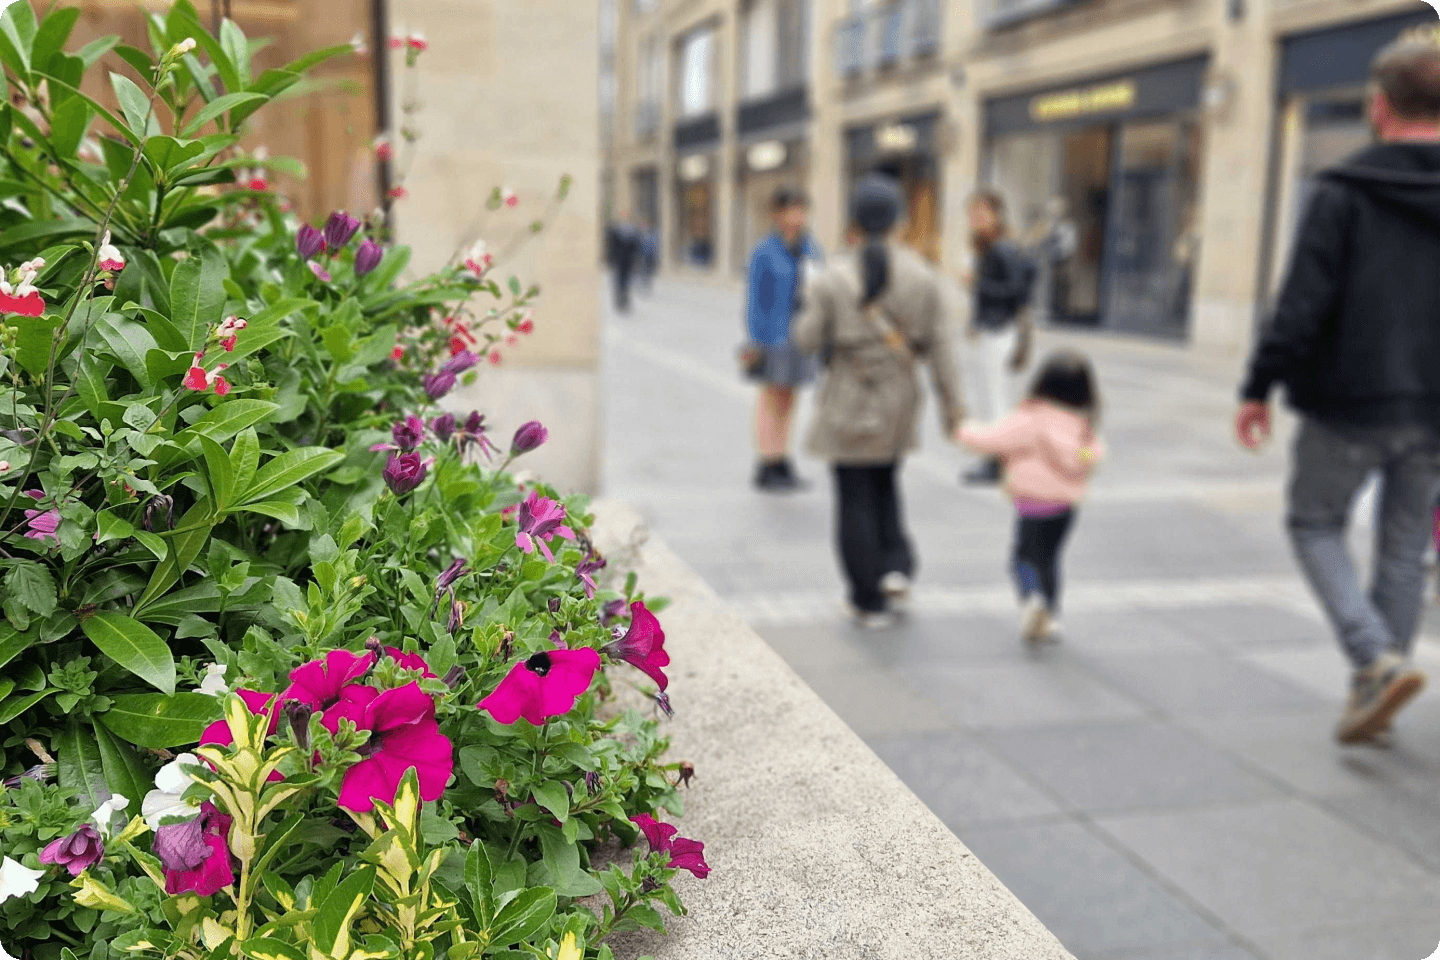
(1037, 555)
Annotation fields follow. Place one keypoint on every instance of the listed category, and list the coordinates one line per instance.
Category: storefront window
(905, 150)
(695, 238)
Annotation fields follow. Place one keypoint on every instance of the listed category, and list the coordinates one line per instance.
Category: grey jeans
(1330, 467)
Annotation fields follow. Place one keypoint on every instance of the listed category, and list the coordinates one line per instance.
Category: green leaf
(228, 419)
(524, 916)
(289, 469)
(15, 706)
(332, 925)
(270, 948)
(135, 105)
(245, 457)
(54, 32)
(514, 284)
(18, 28)
(34, 340)
(81, 767)
(233, 40)
(68, 125)
(133, 646)
(552, 796)
(286, 513)
(479, 878)
(218, 471)
(158, 721)
(95, 49)
(129, 342)
(31, 584)
(197, 295)
(221, 105)
(28, 235)
(185, 545)
(124, 773)
(167, 153)
(14, 642)
(562, 859)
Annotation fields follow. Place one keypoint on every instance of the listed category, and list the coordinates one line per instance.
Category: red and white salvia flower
(226, 332)
(23, 298)
(507, 196)
(494, 358)
(527, 324)
(358, 44)
(478, 259)
(416, 41)
(398, 192)
(110, 258)
(395, 43)
(200, 379)
(384, 150)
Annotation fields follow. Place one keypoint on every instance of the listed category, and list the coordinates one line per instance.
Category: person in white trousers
(1000, 324)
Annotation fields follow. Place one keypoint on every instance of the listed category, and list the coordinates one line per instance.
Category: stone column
(827, 148)
(1237, 150)
(501, 107)
(727, 89)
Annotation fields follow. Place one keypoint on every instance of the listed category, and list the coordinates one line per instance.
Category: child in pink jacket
(1048, 447)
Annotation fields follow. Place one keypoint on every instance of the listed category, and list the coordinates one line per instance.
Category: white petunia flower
(4, 955)
(17, 880)
(104, 814)
(166, 803)
(214, 683)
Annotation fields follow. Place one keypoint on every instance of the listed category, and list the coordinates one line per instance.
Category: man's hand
(1252, 424)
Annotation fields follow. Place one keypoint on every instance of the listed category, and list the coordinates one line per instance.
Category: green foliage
(189, 490)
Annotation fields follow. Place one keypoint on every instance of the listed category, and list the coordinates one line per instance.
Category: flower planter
(817, 848)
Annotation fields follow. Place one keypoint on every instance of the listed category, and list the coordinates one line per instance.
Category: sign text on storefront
(1067, 104)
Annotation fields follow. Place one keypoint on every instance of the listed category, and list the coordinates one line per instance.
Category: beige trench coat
(868, 409)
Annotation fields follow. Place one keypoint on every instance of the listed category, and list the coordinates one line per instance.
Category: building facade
(1157, 153)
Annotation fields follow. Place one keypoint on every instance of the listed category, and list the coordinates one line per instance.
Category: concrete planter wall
(817, 849)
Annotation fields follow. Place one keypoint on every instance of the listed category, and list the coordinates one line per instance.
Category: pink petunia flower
(218, 733)
(195, 855)
(410, 661)
(541, 520)
(586, 571)
(319, 271)
(403, 734)
(685, 854)
(331, 686)
(494, 358)
(398, 353)
(643, 645)
(544, 686)
(42, 525)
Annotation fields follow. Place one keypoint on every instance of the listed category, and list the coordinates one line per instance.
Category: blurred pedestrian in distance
(779, 266)
(622, 253)
(1354, 341)
(649, 256)
(1048, 448)
(1185, 254)
(1051, 244)
(874, 315)
(1000, 322)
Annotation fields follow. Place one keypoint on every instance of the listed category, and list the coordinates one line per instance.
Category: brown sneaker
(1378, 693)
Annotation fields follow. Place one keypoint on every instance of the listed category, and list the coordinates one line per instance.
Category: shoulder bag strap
(893, 338)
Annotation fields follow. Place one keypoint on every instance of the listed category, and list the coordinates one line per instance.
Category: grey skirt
(785, 366)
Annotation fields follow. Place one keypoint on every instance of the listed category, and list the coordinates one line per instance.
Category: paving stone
(1091, 897)
(1278, 864)
(1248, 626)
(1408, 939)
(1125, 766)
(960, 780)
(874, 701)
(819, 647)
(1042, 693)
(1207, 952)
(1205, 684)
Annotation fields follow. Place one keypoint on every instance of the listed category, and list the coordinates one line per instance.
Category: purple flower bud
(339, 228)
(453, 676)
(592, 781)
(368, 257)
(554, 604)
(452, 573)
(528, 437)
(298, 714)
(408, 433)
(557, 639)
(309, 241)
(443, 426)
(687, 771)
(82, 849)
(154, 507)
(457, 616)
(405, 472)
(438, 384)
(662, 700)
(461, 362)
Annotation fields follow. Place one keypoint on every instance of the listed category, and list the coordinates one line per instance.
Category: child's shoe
(1034, 619)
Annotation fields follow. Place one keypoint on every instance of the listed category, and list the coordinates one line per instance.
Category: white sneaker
(872, 620)
(896, 588)
(1034, 620)
(1053, 634)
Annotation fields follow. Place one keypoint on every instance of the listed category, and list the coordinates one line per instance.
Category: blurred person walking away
(1000, 322)
(1354, 340)
(622, 253)
(1185, 254)
(1052, 243)
(649, 256)
(1048, 447)
(874, 315)
(779, 266)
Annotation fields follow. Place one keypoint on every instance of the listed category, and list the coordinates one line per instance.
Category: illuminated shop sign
(1069, 104)
(695, 167)
(896, 138)
(766, 156)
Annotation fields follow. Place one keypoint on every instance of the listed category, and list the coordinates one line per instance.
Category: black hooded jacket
(1356, 334)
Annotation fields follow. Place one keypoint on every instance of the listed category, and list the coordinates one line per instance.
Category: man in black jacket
(1355, 339)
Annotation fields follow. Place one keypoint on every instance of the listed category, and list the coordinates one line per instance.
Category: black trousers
(1038, 541)
(623, 272)
(870, 531)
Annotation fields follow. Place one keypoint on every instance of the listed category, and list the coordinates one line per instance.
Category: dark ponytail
(874, 208)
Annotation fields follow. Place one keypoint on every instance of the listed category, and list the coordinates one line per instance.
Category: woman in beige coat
(874, 315)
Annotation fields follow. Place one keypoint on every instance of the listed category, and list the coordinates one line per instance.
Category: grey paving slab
(1200, 683)
(938, 640)
(1091, 897)
(1407, 818)
(1409, 939)
(875, 701)
(1042, 693)
(1138, 631)
(1278, 865)
(1249, 626)
(962, 781)
(1206, 952)
(820, 646)
(1126, 766)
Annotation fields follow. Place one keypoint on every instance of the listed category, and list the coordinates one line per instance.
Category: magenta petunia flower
(408, 433)
(586, 571)
(410, 661)
(195, 855)
(530, 436)
(331, 686)
(443, 427)
(643, 645)
(403, 734)
(438, 384)
(368, 257)
(81, 850)
(339, 228)
(405, 472)
(541, 519)
(473, 433)
(685, 854)
(460, 362)
(42, 525)
(544, 686)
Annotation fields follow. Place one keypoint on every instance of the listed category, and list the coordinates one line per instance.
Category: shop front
(1101, 177)
(697, 173)
(765, 167)
(1322, 115)
(907, 148)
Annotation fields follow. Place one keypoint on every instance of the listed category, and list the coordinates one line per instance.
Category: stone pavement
(1162, 786)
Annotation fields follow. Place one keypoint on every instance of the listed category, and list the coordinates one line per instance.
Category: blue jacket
(774, 279)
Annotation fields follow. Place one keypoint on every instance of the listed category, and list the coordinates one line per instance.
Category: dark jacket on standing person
(622, 246)
(775, 280)
(1355, 335)
(1003, 281)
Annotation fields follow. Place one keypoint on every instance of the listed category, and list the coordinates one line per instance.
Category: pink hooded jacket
(1048, 451)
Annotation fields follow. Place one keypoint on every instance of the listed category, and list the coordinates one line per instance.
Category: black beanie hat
(875, 204)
